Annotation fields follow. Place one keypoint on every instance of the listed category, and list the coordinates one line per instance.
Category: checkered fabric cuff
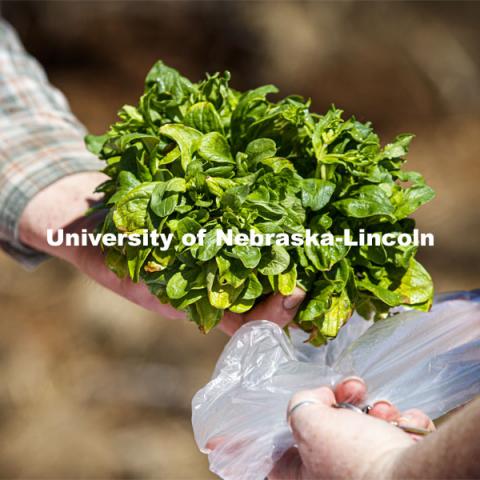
(40, 140)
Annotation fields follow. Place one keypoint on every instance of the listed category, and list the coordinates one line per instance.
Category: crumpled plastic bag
(420, 360)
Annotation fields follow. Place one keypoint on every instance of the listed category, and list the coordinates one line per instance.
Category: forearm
(60, 205)
(41, 143)
(450, 453)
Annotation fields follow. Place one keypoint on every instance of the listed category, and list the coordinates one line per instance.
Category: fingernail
(353, 379)
(405, 421)
(383, 402)
(294, 300)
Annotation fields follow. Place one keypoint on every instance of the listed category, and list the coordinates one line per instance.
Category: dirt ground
(92, 386)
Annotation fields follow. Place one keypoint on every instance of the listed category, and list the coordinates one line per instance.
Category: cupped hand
(340, 443)
(276, 308)
(63, 205)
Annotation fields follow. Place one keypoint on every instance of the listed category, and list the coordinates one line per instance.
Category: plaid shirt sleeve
(40, 140)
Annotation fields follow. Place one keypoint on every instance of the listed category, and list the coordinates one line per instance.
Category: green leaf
(203, 117)
(324, 257)
(186, 138)
(316, 193)
(176, 185)
(165, 196)
(242, 305)
(136, 257)
(266, 210)
(287, 281)
(274, 261)
(399, 148)
(218, 185)
(231, 271)
(187, 225)
(387, 296)
(248, 109)
(416, 285)
(170, 157)
(126, 181)
(368, 202)
(177, 286)
(161, 202)
(116, 262)
(249, 255)
(220, 171)
(214, 148)
(223, 296)
(234, 197)
(170, 85)
(277, 164)
(206, 315)
(376, 254)
(409, 199)
(209, 248)
(131, 210)
(319, 303)
(337, 314)
(260, 149)
(95, 143)
(253, 288)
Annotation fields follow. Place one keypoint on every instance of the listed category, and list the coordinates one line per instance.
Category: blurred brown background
(92, 386)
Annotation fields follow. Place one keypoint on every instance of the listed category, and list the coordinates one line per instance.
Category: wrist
(61, 205)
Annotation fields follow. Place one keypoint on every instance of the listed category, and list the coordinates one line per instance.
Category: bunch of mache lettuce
(203, 155)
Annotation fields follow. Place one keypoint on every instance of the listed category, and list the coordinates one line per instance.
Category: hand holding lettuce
(192, 156)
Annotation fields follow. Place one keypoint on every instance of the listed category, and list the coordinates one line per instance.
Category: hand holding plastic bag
(429, 361)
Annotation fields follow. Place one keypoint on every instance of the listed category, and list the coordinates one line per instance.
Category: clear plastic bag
(429, 361)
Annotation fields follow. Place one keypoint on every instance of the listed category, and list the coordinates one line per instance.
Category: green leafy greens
(202, 155)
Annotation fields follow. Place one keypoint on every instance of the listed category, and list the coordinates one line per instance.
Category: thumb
(278, 308)
(304, 406)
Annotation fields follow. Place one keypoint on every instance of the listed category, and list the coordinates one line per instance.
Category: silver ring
(366, 409)
(348, 406)
(298, 405)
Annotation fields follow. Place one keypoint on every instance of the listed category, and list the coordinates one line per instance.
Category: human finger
(277, 308)
(417, 419)
(384, 410)
(351, 390)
